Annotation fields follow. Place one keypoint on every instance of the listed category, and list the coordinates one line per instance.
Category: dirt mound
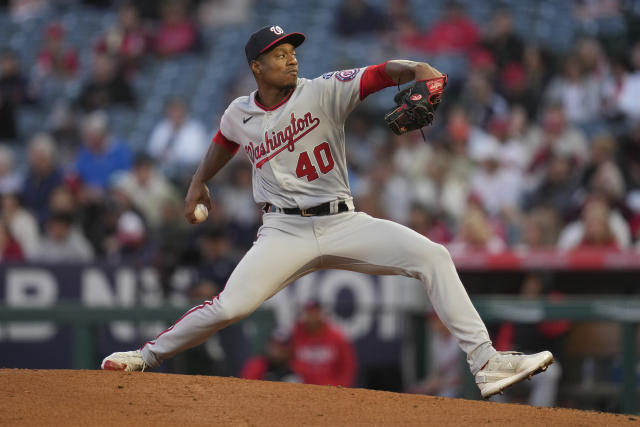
(29, 397)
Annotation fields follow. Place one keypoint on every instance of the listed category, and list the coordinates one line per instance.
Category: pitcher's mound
(29, 397)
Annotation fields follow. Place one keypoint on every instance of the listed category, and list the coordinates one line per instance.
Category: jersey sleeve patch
(347, 75)
(327, 76)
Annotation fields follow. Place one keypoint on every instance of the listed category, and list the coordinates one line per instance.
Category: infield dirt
(87, 398)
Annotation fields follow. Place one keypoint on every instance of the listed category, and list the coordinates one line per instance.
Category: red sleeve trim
(222, 140)
(375, 78)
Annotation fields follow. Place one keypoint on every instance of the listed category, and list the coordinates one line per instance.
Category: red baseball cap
(268, 37)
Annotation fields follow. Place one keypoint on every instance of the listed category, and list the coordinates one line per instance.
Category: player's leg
(285, 250)
(358, 242)
(370, 245)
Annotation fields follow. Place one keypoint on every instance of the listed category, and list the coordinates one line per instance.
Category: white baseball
(200, 212)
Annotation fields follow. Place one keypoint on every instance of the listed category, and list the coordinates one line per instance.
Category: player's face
(279, 66)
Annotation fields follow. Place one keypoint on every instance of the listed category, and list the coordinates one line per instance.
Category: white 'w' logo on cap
(276, 30)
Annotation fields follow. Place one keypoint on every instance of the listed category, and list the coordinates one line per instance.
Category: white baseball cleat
(507, 368)
(124, 361)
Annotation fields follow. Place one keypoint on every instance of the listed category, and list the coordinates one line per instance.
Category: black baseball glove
(416, 105)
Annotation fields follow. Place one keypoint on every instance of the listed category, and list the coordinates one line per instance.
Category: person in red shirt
(56, 58)
(321, 353)
(454, 33)
(128, 39)
(176, 33)
(10, 250)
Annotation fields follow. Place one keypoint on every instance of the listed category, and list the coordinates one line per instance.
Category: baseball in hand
(201, 212)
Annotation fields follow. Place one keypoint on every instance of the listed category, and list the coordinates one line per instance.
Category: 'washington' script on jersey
(283, 139)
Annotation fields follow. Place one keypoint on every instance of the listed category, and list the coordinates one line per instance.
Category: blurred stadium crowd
(106, 108)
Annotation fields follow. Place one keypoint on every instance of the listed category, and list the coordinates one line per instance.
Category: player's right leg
(285, 250)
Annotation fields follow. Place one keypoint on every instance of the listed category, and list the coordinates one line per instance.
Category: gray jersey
(297, 147)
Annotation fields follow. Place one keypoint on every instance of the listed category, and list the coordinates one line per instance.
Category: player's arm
(402, 71)
(393, 73)
(218, 155)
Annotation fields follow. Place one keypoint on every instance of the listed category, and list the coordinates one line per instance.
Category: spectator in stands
(441, 189)
(629, 97)
(482, 101)
(105, 87)
(321, 353)
(534, 337)
(223, 13)
(14, 92)
(63, 198)
(537, 73)
(63, 242)
(178, 142)
(557, 188)
(577, 92)
(519, 139)
(497, 188)
(501, 39)
(476, 234)
(25, 10)
(43, 176)
(453, 33)
(10, 250)
(274, 364)
(21, 223)
(446, 368)
(56, 59)
(10, 179)
(102, 155)
(602, 174)
(598, 233)
(63, 126)
(539, 230)
(462, 139)
(148, 190)
(592, 59)
(599, 228)
(131, 242)
(356, 17)
(369, 202)
(511, 152)
(410, 153)
(176, 33)
(394, 190)
(615, 87)
(558, 138)
(428, 222)
(128, 39)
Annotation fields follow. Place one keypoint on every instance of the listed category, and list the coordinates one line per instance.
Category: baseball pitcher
(292, 131)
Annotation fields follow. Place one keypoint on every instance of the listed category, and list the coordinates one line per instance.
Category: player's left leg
(359, 242)
(285, 250)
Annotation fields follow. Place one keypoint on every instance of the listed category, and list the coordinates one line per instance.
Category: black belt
(320, 210)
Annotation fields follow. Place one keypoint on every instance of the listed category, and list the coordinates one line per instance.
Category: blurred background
(530, 176)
